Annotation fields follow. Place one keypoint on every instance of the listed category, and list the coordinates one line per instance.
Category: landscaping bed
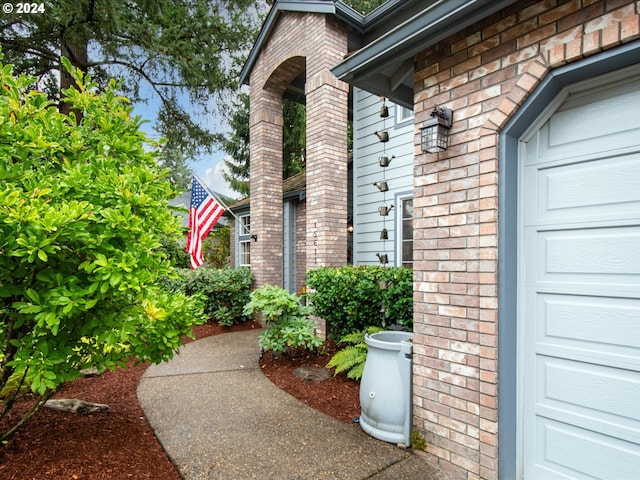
(120, 444)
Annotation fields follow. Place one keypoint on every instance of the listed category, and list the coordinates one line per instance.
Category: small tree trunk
(75, 49)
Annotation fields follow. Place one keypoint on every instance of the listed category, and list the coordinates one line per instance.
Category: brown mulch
(120, 444)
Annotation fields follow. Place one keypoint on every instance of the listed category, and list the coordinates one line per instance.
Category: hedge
(356, 297)
(225, 291)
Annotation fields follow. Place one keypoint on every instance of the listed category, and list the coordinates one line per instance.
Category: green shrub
(352, 357)
(352, 298)
(225, 291)
(83, 210)
(288, 323)
(175, 252)
(216, 247)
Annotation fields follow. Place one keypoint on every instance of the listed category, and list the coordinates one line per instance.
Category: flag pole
(226, 209)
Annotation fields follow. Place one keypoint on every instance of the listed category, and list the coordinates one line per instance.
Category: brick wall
(311, 43)
(484, 74)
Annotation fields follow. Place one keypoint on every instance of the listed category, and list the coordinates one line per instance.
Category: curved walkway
(218, 417)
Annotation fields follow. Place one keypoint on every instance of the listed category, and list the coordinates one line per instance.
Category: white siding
(366, 170)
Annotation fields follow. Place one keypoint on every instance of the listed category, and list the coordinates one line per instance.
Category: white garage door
(579, 287)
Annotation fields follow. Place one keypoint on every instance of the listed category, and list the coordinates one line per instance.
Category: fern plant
(352, 357)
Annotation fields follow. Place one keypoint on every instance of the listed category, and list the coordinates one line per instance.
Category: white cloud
(213, 177)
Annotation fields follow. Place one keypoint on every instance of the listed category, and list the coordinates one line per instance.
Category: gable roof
(330, 7)
(384, 42)
(384, 65)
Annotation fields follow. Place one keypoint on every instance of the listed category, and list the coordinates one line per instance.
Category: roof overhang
(385, 65)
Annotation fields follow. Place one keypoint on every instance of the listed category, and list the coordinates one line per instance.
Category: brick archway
(308, 44)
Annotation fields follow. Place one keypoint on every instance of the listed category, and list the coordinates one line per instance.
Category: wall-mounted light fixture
(434, 134)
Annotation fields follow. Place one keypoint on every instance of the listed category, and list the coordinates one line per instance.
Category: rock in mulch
(312, 374)
(74, 405)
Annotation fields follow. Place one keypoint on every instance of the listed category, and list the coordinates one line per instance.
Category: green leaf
(33, 295)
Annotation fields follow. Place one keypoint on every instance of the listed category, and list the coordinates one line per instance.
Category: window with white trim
(244, 241)
(404, 244)
(403, 114)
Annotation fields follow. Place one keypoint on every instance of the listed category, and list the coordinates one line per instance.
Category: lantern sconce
(434, 134)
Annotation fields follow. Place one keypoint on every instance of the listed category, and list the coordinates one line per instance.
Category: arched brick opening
(303, 45)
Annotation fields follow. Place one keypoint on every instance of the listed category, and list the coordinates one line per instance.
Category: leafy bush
(288, 323)
(352, 357)
(83, 213)
(224, 291)
(175, 252)
(216, 247)
(352, 298)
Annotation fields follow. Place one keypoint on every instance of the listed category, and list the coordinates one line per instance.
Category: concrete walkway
(218, 417)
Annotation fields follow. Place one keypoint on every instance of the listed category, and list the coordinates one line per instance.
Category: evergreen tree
(294, 138)
(180, 50)
(180, 174)
(236, 146)
(364, 6)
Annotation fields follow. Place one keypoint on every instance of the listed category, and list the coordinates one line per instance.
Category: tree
(180, 173)
(294, 137)
(216, 249)
(236, 145)
(83, 210)
(182, 50)
(364, 6)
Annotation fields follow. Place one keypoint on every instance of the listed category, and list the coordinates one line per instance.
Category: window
(244, 241)
(405, 232)
(403, 115)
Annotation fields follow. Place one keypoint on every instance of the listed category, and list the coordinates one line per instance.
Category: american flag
(204, 212)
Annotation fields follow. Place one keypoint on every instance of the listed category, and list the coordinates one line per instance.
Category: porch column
(266, 185)
(327, 165)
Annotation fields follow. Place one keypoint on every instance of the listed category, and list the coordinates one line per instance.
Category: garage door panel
(591, 396)
(603, 256)
(605, 188)
(582, 327)
(564, 451)
(607, 111)
(601, 126)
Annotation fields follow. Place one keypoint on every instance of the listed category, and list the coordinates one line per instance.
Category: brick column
(265, 174)
(327, 104)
